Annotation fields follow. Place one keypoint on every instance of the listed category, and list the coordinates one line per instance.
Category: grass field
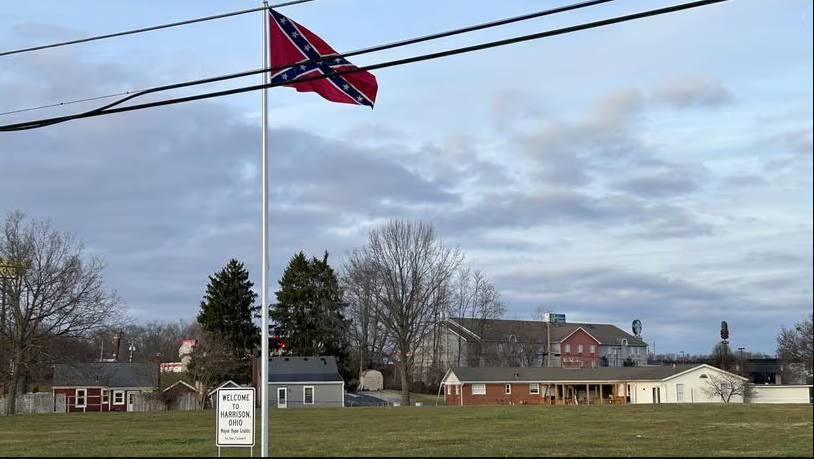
(632, 430)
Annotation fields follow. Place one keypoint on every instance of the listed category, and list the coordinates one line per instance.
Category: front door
(131, 401)
(656, 395)
(282, 401)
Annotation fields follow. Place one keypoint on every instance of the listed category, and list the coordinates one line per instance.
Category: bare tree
(361, 290)
(474, 297)
(726, 386)
(722, 356)
(156, 340)
(53, 290)
(413, 265)
(794, 348)
(211, 363)
(528, 350)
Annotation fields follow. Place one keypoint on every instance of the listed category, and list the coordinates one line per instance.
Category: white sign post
(235, 417)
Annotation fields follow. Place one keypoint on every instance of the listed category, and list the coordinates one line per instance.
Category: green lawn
(632, 430)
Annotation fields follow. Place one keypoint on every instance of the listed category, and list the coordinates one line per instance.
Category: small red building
(104, 386)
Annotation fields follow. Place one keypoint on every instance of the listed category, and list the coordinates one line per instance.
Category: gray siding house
(301, 382)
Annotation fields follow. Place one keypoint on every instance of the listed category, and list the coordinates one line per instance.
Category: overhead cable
(149, 29)
(393, 63)
(395, 44)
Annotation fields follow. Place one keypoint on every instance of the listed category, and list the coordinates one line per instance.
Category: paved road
(364, 399)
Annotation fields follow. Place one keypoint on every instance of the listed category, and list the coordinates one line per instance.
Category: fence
(41, 402)
(45, 402)
(180, 402)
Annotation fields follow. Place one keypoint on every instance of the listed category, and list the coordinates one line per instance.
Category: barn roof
(107, 374)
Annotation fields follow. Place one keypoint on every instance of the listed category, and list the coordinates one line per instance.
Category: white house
(697, 384)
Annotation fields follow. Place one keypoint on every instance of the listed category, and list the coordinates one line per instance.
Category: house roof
(303, 369)
(181, 384)
(107, 374)
(224, 385)
(498, 330)
(559, 374)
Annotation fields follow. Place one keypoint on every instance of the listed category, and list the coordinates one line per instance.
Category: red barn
(103, 386)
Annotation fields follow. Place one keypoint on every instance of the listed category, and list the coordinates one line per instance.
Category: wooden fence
(46, 402)
(40, 402)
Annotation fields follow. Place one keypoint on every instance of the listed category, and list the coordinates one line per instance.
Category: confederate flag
(291, 44)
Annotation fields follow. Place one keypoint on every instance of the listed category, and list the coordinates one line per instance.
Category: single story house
(296, 382)
(104, 386)
(617, 385)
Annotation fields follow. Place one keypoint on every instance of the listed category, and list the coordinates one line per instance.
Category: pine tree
(309, 315)
(227, 312)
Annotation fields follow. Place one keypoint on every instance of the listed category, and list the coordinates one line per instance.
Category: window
(593, 349)
(105, 396)
(478, 389)
(456, 389)
(449, 390)
(118, 397)
(81, 396)
(679, 392)
(508, 389)
(567, 348)
(308, 395)
(534, 388)
(579, 348)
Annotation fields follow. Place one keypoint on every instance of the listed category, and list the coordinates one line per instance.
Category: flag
(291, 44)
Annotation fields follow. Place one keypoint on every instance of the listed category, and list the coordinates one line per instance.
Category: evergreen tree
(309, 315)
(227, 312)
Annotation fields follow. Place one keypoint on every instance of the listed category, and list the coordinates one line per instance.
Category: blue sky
(659, 169)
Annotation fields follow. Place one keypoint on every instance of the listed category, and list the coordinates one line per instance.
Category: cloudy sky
(658, 170)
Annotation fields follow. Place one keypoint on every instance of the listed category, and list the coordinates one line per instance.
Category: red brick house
(103, 386)
(580, 349)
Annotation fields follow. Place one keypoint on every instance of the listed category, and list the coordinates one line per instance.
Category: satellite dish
(637, 328)
(724, 330)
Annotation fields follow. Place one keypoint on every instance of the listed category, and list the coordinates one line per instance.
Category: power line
(70, 102)
(462, 50)
(371, 49)
(148, 29)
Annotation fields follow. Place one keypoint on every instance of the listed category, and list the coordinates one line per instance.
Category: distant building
(460, 342)
(184, 355)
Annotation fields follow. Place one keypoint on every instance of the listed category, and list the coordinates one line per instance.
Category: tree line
(378, 309)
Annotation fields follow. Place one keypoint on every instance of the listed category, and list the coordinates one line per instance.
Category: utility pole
(741, 365)
(548, 341)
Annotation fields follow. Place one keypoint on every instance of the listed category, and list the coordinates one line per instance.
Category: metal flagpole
(264, 335)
